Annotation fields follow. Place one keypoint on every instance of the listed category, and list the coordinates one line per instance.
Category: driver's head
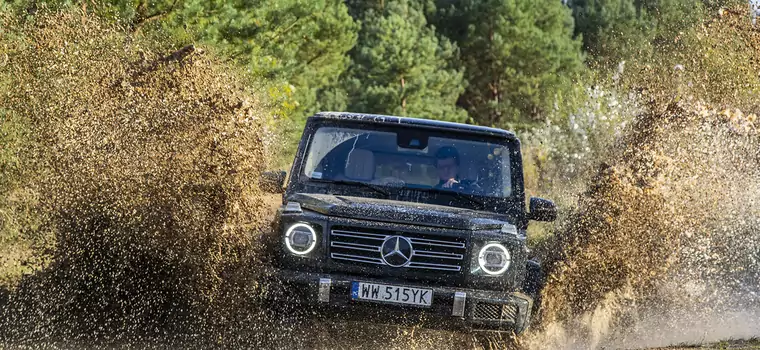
(447, 163)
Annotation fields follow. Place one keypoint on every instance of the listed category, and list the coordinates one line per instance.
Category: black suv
(412, 217)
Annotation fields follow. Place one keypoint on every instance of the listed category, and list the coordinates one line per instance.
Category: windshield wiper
(375, 188)
(459, 195)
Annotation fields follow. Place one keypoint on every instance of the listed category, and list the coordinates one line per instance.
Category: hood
(400, 212)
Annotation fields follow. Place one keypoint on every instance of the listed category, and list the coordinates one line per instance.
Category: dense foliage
(400, 66)
(508, 63)
(494, 62)
(519, 57)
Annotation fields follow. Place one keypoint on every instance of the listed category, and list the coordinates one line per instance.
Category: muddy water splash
(143, 159)
(666, 237)
(664, 247)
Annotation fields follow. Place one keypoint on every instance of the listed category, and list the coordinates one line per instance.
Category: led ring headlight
(300, 239)
(494, 259)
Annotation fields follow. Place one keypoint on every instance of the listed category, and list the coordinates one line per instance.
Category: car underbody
(451, 308)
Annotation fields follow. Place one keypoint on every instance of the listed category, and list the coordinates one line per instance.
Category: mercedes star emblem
(397, 251)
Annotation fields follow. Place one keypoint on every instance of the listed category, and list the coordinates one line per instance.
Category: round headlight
(494, 259)
(300, 239)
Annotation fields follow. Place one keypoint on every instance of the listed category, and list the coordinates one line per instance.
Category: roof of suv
(389, 119)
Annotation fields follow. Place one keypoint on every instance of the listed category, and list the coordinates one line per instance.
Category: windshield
(410, 158)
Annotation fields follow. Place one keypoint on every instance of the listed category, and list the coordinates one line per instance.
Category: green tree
(612, 30)
(299, 42)
(519, 56)
(400, 66)
(297, 46)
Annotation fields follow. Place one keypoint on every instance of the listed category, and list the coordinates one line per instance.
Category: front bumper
(331, 294)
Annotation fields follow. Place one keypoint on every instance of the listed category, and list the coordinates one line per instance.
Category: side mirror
(542, 209)
(272, 181)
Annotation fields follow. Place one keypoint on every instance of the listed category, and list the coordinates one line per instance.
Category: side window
(324, 141)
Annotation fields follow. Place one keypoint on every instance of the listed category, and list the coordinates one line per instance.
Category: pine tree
(301, 43)
(519, 56)
(401, 67)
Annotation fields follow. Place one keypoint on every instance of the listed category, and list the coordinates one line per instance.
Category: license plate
(391, 294)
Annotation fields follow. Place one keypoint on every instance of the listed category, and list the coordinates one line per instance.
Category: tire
(533, 285)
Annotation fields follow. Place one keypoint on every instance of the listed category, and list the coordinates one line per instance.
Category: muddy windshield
(410, 159)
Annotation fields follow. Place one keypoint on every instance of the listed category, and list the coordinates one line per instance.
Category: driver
(447, 164)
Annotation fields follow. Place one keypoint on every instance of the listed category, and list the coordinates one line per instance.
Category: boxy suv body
(398, 216)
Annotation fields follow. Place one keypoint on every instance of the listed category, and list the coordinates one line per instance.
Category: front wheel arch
(533, 286)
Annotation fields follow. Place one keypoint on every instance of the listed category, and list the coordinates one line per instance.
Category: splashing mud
(664, 246)
(142, 162)
(665, 237)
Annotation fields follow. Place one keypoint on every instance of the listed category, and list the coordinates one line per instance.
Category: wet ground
(331, 336)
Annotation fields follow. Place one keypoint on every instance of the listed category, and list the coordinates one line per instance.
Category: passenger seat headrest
(360, 165)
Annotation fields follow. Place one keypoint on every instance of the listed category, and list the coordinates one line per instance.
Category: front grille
(429, 251)
(495, 312)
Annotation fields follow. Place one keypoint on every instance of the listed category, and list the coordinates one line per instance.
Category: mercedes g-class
(404, 216)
